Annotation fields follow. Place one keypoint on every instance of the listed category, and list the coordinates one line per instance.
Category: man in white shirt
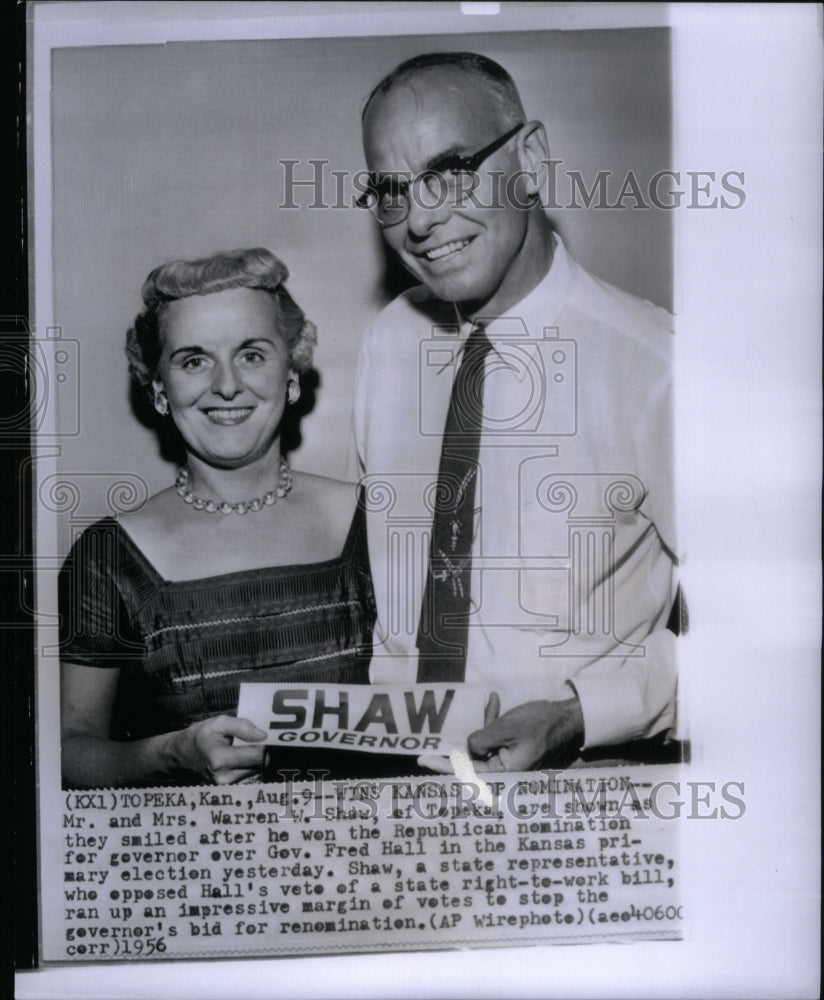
(568, 576)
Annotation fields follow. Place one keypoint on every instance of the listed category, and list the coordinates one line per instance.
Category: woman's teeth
(229, 416)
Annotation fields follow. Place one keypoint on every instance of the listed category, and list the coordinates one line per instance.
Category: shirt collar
(539, 308)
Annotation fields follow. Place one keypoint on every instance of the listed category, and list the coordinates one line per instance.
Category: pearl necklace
(242, 506)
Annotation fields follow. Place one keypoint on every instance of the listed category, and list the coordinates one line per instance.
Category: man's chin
(453, 288)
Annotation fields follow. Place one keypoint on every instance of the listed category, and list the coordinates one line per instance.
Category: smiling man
(513, 429)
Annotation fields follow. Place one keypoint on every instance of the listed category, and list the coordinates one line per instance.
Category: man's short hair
(493, 77)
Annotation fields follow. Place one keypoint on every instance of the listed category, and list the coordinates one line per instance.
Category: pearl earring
(293, 387)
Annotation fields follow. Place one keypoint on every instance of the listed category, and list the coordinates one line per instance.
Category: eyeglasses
(449, 179)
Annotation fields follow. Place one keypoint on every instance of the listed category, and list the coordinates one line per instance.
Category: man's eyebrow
(453, 152)
(433, 163)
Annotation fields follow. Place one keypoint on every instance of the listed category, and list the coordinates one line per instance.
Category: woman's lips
(228, 416)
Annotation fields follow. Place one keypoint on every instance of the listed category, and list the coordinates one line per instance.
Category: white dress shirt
(574, 549)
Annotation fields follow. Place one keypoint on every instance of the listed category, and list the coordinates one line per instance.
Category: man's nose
(427, 209)
(226, 381)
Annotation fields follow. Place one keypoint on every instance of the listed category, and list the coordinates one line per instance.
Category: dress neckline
(289, 569)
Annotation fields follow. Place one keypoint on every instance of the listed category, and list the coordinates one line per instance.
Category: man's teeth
(446, 249)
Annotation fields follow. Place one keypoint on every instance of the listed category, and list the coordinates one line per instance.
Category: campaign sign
(384, 719)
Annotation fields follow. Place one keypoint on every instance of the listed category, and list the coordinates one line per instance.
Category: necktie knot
(465, 417)
(477, 346)
(477, 338)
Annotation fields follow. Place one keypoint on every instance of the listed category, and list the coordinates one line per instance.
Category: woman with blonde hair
(242, 570)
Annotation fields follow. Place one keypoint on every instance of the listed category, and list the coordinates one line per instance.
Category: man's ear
(533, 152)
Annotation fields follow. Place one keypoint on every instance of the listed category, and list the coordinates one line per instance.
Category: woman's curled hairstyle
(255, 268)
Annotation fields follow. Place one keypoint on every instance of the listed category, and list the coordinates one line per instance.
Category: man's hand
(529, 736)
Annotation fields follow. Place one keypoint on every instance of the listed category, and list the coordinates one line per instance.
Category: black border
(16, 590)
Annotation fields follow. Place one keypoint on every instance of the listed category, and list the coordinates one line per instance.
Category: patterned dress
(183, 647)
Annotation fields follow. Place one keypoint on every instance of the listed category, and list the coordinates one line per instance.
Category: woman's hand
(206, 748)
(91, 759)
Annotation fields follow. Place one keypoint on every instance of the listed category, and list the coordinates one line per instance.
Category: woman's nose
(226, 381)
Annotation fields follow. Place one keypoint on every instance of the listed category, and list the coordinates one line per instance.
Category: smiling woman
(240, 571)
(223, 368)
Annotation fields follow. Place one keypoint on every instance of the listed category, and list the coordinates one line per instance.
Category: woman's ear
(159, 398)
